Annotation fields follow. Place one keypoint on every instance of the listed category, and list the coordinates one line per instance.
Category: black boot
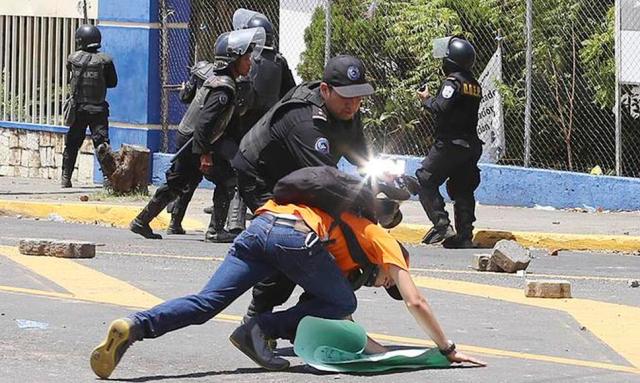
(177, 215)
(65, 181)
(236, 218)
(68, 162)
(216, 232)
(464, 217)
(437, 234)
(250, 339)
(433, 204)
(140, 224)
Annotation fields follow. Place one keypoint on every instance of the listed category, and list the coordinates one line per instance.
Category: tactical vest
(461, 121)
(202, 70)
(91, 88)
(259, 137)
(266, 75)
(190, 119)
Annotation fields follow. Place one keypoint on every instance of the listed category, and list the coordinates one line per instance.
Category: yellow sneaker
(106, 356)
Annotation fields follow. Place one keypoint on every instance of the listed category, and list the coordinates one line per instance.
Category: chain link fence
(554, 63)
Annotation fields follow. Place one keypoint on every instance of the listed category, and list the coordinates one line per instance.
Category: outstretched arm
(422, 312)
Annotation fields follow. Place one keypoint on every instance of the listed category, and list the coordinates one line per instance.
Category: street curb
(483, 238)
(114, 215)
(120, 216)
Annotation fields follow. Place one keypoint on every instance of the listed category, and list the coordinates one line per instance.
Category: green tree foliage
(573, 78)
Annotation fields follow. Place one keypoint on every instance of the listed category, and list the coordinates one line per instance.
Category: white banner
(490, 116)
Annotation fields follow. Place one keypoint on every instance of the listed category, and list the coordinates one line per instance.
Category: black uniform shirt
(446, 98)
(306, 136)
(214, 107)
(456, 107)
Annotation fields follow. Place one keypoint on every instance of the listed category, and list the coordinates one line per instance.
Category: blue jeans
(257, 253)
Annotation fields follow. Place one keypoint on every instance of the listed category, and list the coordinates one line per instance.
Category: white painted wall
(48, 8)
(295, 17)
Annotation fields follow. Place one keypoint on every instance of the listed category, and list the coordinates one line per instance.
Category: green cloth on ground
(338, 345)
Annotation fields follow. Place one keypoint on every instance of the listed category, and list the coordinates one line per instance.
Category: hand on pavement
(458, 357)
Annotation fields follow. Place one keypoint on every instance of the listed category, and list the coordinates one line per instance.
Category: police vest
(203, 70)
(190, 119)
(259, 137)
(266, 76)
(91, 88)
(461, 121)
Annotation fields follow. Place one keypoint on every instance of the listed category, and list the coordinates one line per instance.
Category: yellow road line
(617, 328)
(509, 354)
(83, 282)
(616, 325)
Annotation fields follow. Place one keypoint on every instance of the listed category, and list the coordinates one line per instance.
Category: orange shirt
(376, 242)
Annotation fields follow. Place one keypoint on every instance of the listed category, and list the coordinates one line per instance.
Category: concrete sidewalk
(578, 229)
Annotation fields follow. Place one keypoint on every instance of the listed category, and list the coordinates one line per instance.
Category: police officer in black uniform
(269, 80)
(203, 125)
(314, 124)
(454, 155)
(92, 72)
(198, 74)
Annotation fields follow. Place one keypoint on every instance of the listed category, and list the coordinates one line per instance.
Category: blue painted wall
(135, 53)
(142, 11)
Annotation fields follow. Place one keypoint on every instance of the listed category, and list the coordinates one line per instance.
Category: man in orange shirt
(287, 239)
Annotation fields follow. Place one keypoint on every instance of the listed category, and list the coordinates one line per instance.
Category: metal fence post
(327, 32)
(84, 11)
(164, 76)
(617, 106)
(527, 108)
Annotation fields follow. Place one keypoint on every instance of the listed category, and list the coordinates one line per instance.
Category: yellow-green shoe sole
(103, 358)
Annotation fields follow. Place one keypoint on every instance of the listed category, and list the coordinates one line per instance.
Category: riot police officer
(269, 80)
(454, 155)
(314, 124)
(92, 72)
(202, 127)
(198, 74)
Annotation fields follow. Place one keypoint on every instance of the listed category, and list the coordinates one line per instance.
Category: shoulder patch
(223, 99)
(448, 91)
(322, 145)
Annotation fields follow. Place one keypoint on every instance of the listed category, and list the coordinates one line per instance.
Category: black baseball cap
(346, 74)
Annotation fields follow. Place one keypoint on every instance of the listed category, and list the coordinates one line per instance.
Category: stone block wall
(38, 154)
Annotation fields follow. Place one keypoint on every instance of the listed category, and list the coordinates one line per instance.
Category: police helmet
(246, 18)
(460, 54)
(262, 21)
(230, 46)
(88, 37)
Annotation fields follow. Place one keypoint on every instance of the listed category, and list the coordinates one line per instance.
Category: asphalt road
(486, 314)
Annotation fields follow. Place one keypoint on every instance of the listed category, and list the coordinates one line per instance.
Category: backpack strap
(367, 269)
